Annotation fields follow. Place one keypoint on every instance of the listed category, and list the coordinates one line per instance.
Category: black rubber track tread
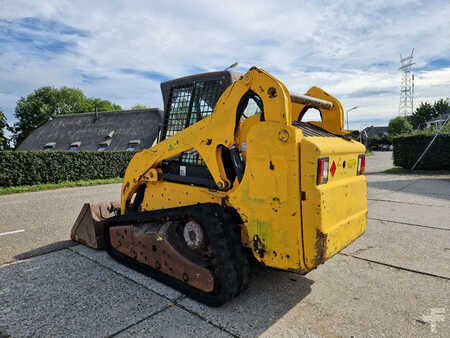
(241, 254)
(231, 268)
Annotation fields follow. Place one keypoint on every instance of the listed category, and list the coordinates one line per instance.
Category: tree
(32, 112)
(422, 114)
(426, 112)
(139, 106)
(399, 125)
(3, 126)
(69, 101)
(97, 104)
(442, 106)
(41, 105)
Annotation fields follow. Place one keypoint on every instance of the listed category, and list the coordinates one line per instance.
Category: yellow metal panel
(162, 195)
(334, 214)
(332, 119)
(269, 195)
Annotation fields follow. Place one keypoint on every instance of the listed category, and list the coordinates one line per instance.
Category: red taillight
(361, 164)
(322, 170)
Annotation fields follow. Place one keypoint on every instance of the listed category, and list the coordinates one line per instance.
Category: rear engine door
(334, 206)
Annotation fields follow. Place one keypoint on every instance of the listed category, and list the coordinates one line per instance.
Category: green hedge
(39, 167)
(407, 149)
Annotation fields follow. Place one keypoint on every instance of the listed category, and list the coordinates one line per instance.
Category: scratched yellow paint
(337, 209)
(173, 144)
(280, 166)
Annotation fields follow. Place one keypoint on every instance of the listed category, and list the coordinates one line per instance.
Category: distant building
(371, 132)
(438, 121)
(102, 131)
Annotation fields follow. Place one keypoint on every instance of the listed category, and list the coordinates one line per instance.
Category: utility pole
(406, 106)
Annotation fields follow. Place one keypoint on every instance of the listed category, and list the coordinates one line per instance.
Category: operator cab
(188, 100)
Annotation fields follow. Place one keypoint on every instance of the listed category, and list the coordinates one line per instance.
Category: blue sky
(121, 50)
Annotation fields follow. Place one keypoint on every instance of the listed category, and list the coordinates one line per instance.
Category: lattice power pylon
(406, 106)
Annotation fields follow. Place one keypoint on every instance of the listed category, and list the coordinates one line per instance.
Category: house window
(132, 144)
(107, 142)
(75, 145)
(103, 145)
(49, 146)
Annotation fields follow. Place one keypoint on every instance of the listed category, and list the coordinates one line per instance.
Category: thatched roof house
(372, 131)
(115, 130)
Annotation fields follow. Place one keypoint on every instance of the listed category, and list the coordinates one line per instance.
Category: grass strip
(400, 170)
(49, 186)
(397, 170)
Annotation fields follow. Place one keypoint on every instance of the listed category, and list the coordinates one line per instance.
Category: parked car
(384, 147)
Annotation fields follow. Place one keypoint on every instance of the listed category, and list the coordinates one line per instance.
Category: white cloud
(346, 47)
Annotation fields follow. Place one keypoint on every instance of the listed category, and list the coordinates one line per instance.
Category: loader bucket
(89, 226)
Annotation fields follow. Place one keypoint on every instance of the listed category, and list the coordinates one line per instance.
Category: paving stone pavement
(387, 283)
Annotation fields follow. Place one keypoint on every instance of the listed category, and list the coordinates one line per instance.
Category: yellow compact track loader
(235, 172)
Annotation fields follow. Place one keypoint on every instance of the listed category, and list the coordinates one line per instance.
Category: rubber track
(231, 267)
(241, 254)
